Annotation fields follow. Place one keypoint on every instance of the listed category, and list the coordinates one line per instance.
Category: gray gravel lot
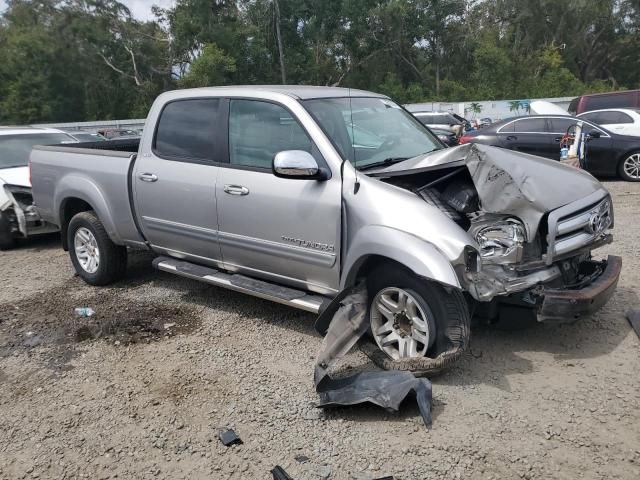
(141, 389)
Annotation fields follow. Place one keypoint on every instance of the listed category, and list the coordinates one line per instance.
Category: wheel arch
(76, 194)
(375, 245)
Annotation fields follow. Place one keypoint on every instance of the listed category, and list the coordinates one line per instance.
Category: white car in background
(624, 121)
(18, 216)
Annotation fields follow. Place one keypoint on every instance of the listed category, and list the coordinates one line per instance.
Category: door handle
(148, 177)
(236, 190)
(557, 139)
(512, 137)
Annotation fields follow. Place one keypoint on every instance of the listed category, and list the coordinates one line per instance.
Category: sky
(141, 9)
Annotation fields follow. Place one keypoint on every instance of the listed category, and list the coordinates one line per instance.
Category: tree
(66, 60)
(475, 108)
(211, 68)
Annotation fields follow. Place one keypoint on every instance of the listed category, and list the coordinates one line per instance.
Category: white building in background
(493, 109)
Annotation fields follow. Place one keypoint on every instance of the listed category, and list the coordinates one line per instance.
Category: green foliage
(211, 68)
(89, 59)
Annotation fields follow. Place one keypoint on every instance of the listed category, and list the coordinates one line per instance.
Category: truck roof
(301, 92)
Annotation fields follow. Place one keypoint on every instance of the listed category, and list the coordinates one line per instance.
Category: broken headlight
(501, 242)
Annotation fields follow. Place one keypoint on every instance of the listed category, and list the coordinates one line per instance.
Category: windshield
(15, 149)
(369, 131)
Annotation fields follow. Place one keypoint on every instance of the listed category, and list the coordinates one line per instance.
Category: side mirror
(595, 134)
(297, 164)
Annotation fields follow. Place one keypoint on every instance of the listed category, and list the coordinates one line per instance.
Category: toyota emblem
(595, 223)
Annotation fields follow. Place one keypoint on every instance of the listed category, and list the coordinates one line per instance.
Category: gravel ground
(141, 389)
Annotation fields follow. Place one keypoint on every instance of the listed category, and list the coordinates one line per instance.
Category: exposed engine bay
(525, 243)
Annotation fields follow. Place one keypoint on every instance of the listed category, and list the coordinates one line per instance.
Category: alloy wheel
(631, 166)
(401, 326)
(87, 251)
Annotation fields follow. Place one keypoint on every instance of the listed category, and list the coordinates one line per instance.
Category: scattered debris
(634, 319)
(301, 458)
(386, 389)
(279, 473)
(228, 437)
(84, 312)
(167, 326)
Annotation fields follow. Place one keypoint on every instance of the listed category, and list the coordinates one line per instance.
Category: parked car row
(608, 153)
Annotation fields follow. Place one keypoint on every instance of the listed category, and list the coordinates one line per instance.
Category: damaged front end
(532, 225)
(21, 215)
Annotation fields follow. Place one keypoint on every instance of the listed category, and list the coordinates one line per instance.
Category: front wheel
(95, 257)
(629, 168)
(416, 324)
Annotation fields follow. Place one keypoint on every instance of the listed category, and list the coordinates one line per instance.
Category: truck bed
(90, 173)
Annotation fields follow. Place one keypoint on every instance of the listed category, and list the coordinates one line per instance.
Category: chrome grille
(578, 224)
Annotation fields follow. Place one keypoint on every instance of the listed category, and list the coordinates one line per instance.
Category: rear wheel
(415, 323)
(629, 168)
(95, 257)
(7, 241)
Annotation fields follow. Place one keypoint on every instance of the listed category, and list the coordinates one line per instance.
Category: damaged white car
(18, 216)
(297, 194)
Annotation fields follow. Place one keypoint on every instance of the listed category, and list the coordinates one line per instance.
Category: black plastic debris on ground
(634, 319)
(228, 437)
(386, 389)
(301, 458)
(279, 473)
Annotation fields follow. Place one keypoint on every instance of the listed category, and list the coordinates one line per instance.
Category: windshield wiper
(384, 163)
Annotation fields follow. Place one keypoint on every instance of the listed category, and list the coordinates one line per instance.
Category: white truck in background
(18, 216)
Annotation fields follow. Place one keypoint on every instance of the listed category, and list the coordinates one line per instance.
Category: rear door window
(621, 117)
(531, 125)
(189, 130)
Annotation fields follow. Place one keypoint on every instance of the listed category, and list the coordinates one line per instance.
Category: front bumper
(570, 305)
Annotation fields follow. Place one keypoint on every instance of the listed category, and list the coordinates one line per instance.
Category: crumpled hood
(508, 182)
(15, 176)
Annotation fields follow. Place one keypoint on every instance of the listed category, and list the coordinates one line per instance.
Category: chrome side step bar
(240, 283)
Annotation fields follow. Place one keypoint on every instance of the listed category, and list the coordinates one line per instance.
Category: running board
(251, 286)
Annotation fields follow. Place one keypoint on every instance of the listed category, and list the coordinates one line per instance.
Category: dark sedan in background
(607, 153)
(447, 137)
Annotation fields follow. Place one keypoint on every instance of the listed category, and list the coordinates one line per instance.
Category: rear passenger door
(284, 230)
(174, 184)
(528, 135)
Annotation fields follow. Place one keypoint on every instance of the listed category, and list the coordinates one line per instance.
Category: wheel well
(627, 153)
(370, 263)
(69, 208)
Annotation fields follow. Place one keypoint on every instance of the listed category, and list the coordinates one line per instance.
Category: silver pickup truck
(296, 194)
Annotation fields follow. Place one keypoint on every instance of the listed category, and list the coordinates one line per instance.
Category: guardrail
(97, 125)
